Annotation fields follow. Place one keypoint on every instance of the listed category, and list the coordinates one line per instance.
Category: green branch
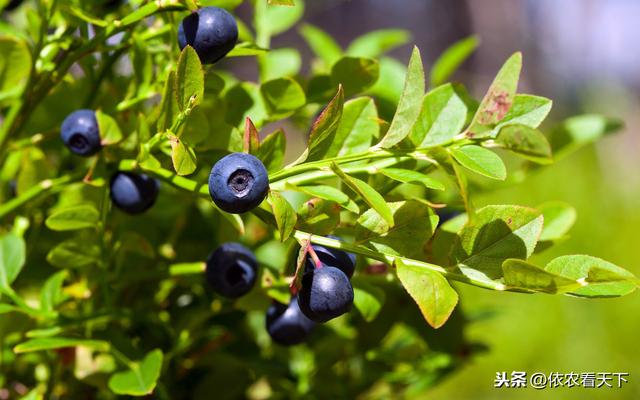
(36, 191)
(390, 259)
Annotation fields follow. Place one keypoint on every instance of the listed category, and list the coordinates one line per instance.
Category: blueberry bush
(158, 237)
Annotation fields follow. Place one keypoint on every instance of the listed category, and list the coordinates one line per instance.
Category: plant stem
(40, 189)
(186, 269)
(201, 189)
(326, 172)
(390, 260)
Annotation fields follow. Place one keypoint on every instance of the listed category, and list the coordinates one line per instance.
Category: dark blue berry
(287, 325)
(446, 214)
(80, 133)
(211, 31)
(12, 4)
(232, 270)
(326, 293)
(340, 259)
(133, 193)
(238, 183)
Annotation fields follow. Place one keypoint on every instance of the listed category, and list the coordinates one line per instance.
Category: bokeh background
(583, 55)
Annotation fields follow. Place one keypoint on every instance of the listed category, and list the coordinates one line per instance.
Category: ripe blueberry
(80, 133)
(238, 183)
(211, 31)
(446, 214)
(287, 325)
(133, 193)
(232, 270)
(326, 293)
(342, 260)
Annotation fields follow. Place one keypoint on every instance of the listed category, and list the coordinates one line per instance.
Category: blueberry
(211, 31)
(342, 260)
(326, 293)
(133, 193)
(238, 183)
(12, 5)
(110, 5)
(80, 133)
(287, 325)
(232, 270)
(446, 214)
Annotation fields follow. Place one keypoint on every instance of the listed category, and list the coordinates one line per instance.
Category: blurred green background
(579, 53)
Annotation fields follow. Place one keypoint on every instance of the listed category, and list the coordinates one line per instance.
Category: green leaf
(327, 193)
(34, 168)
(367, 298)
(246, 49)
(321, 43)
(109, 130)
(251, 139)
(527, 142)
(579, 131)
(376, 43)
(51, 293)
(189, 83)
(282, 95)
(388, 87)
(244, 100)
(12, 258)
(52, 343)
(74, 253)
(281, 2)
(495, 234)
(284, 214)
(366, 193)
(319, 216)
(7, 308)
(480, 160)
(602, 278)
(358, 126)
(520, 274)
(442, 116)
(279, 63)
(559, 217)
(324, 130)
(141, 13)
(430, 290)
(197, 128)
(526, 110)
(273, 20)
(410, 176)
(498, 100)
(72, 218)
(409, 104)
(15, 65)
(272, 149)
(355, 74)
(414, 225)
(141, 378)
(169, 106)
(451, 59)
(182, 156)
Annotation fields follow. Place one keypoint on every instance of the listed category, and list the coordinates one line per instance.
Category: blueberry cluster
(238, 183)
(326, 291)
